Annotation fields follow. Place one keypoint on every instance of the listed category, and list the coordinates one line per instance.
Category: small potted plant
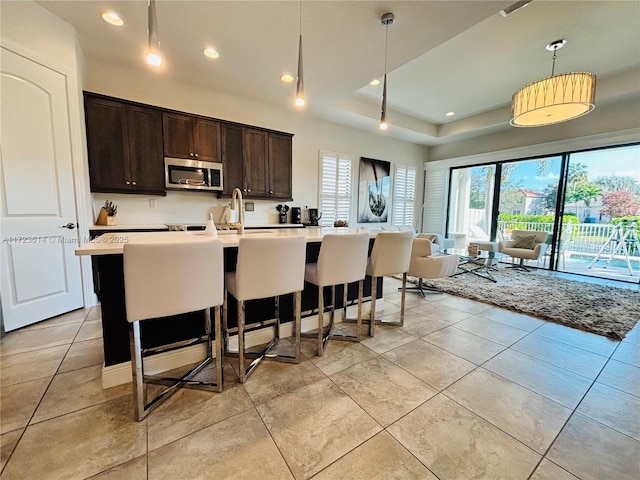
(282, 211)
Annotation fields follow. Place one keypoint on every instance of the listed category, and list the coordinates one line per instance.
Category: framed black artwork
(374, 201)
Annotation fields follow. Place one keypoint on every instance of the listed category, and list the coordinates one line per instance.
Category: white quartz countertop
(159, 226)
(162, 226)
(112, 243)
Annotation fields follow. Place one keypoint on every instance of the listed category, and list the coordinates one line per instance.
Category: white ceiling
(442, 55)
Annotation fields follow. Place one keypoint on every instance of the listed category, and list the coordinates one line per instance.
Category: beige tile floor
(463, 390)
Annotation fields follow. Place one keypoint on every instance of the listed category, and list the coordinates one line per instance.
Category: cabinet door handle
(271, 192)
(191, 153)
(133, 183)
(196, 154)
(249, 190)
(128, 182)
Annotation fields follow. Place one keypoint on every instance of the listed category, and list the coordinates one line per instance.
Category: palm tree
(578, 186)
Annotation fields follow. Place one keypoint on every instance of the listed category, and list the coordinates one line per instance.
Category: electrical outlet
(152, 203)
(249, 207)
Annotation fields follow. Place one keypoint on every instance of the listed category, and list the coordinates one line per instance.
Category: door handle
(69, 225)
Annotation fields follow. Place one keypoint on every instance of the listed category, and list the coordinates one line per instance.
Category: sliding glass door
(527, 200)
(603, 196)
(587, 202)
(471, 204)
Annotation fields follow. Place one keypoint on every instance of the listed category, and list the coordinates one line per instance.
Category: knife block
(105, 219)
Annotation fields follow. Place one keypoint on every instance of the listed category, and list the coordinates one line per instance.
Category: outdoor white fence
(582, 237)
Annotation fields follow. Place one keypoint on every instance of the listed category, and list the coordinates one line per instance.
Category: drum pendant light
(386, 20)
(554, 99)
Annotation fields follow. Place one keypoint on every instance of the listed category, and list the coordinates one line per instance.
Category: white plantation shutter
(435, 201)
(335, 187)
(404, 196)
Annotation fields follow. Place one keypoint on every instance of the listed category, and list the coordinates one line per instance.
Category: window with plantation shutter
(404, 196)
(335, 187)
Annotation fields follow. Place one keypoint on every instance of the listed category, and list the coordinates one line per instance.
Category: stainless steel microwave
(183, 174)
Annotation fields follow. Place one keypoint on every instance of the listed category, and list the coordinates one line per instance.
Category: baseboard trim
(120, 374)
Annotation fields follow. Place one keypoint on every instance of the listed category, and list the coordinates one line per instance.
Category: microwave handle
(186, 181)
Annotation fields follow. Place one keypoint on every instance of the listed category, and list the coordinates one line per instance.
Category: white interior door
(40, 273)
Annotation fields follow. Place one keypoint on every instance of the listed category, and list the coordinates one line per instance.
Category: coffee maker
(296, 215)
(314, 217)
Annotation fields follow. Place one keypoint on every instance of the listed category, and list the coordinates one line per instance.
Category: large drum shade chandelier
(555, 99)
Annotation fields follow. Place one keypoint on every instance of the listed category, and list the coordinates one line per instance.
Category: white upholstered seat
(425, 265)
(342, 260)
(390, 255)
(266, 268)
(165, 279)
(524, 245)
(437, 239)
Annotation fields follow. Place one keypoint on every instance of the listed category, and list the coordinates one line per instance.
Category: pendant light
(555, 99)
(153, 52)
(300, 100)
(386, 20)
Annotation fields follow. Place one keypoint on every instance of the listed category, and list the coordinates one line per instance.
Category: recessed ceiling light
(211, 53)
(375, 82)
(286, 78)
(450, 114)
(113, 18)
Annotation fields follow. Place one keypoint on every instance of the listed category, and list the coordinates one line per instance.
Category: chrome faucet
(237, 194)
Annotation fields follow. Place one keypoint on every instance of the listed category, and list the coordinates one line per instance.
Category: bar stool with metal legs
(391, 255)
(266, 268)
(342, 260)
(166, 279)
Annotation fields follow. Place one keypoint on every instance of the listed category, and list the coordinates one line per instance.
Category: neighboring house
(591, 214)
(522, 202)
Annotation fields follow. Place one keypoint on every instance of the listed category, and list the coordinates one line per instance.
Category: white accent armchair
(524, 245)
(425, 265)
(437, 239)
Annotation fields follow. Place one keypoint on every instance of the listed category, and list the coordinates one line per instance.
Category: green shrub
(519, 222)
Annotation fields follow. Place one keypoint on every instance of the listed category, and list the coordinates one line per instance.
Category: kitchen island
(107, 249)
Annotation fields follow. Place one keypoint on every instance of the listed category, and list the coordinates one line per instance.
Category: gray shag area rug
(599, 309)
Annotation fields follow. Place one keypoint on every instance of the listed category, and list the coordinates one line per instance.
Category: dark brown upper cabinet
(280, 166)
(128, 141)
(257, 162)
(124, 142)
(232, 158)
(189, 136)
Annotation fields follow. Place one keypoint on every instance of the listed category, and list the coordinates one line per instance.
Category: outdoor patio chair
(524, 245)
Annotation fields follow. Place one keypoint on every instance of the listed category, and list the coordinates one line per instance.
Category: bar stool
(342, 260)
(391, 255)
(266, 267)
(165, 279)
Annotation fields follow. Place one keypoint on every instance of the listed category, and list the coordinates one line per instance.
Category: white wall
(310, 136)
